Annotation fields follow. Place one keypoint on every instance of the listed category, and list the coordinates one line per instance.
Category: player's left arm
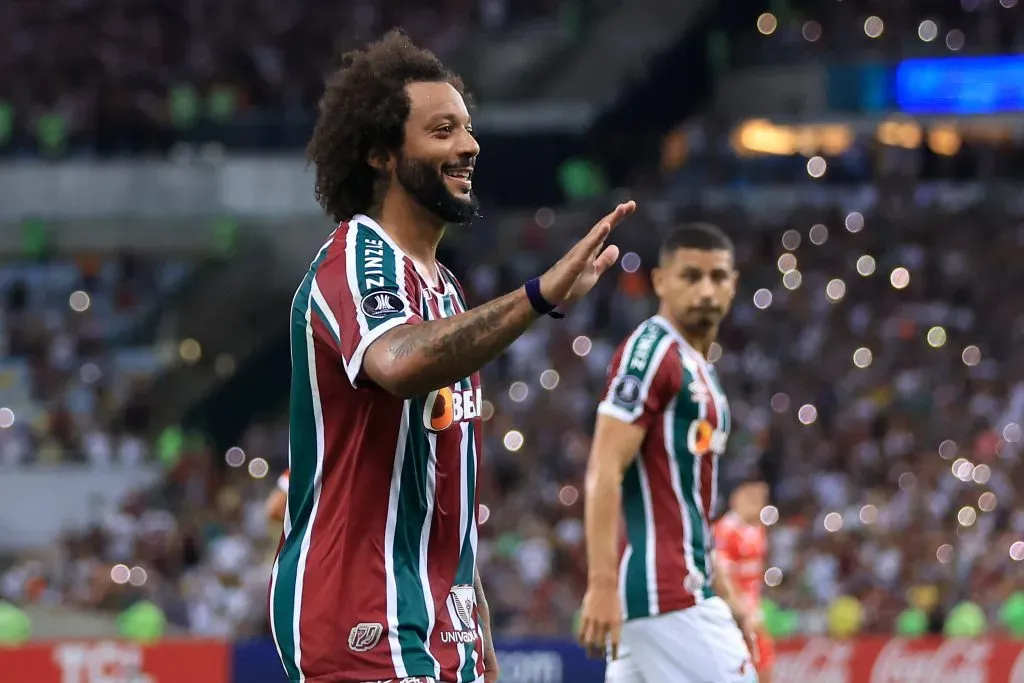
(484, 612)
(722, 585)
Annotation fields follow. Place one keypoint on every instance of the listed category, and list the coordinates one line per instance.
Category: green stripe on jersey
(302, 447)
(636, 598)
(686, 411)
(467, 560)
(378, 268)
(413, 621)
(637, 368)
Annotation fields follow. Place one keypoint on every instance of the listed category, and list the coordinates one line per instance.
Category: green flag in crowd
(912, 622)
(184, 105)
(169, 446)
(966, 620)
(221, 103)
(581, 179)
(52, 133)
(15, 626)
(143, 622)
(1012, 614)
(6, 122)
(225, 236)
(35, 239)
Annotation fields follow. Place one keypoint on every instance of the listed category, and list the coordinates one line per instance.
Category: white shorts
(701, 644)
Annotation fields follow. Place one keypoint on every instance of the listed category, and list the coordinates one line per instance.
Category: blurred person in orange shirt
(741, 550)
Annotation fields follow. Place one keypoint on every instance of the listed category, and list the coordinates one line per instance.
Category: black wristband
(537, 300)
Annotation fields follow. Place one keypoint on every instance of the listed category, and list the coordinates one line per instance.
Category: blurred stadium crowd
(112, 76)
(870, 365)
(870, 359)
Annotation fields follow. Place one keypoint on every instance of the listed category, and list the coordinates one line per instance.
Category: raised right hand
(577, 272)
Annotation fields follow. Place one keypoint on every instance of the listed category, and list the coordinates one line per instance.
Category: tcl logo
(101, 662)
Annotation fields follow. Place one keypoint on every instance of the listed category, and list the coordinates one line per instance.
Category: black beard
(427, 187)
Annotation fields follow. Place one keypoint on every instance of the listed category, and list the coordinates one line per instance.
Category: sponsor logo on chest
(462, 602)
(447, 406)
(702, 438)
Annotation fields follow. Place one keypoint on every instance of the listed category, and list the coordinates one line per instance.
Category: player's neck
(701, 343)
(414, 229)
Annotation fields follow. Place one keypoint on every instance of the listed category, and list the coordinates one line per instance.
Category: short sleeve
(644, 375)
(363, 287)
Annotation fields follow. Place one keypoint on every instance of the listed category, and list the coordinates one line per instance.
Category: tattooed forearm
(416, 359)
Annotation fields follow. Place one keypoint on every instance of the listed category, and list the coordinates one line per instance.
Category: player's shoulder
(646, 346)
(362, 240)
(363, 256)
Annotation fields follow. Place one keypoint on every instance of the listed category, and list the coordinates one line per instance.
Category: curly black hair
(363, 109)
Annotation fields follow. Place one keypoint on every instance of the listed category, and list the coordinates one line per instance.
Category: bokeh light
(786, 263)
(944, 553)
(234, 457)
(581, 345)
(862, 357)
(866, 265)
(936, 337)
(927, 31)
(258, 468)
(818, 234)
(899, 278)
(816, 167)
(767, 23)
(868, 514)
(518, 391)
(971, 355)
(513, 440)
(762, 298)
(854, 221)
(873, 27)
(780, 402)
(835, 290)
(79, 301)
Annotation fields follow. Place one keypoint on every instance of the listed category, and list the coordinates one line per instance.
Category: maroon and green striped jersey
(658, 381)
(374, 577)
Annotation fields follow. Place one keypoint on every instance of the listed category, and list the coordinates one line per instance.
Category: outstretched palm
(578, 271)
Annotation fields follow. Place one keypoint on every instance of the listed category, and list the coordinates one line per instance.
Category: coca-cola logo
(951, 661)
(100, 662)
(818, 661)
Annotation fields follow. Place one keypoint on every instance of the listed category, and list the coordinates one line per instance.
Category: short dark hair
(363, 110)
(703, 236)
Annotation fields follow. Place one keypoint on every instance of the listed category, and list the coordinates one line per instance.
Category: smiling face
(436, 162)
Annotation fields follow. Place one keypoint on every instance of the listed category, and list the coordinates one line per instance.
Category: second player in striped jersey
(661, 428)
(375, 578)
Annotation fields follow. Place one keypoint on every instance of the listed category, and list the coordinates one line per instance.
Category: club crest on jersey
(364, 637)
(381, 303)
(445, 407)
(700, 392)
(702, 438)
(463, 602)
